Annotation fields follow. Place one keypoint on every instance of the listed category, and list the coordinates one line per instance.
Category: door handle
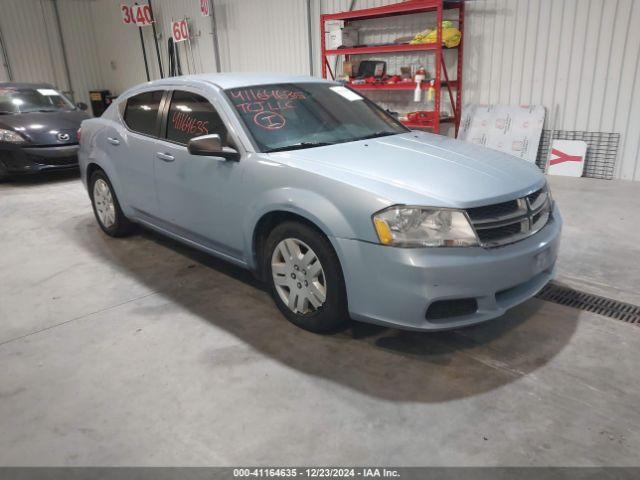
(113, 141)
(165, 157)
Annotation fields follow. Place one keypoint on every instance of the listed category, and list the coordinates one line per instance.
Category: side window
(191, 115)
(142, 112)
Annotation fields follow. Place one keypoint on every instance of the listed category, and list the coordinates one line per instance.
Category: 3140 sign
(138, 15)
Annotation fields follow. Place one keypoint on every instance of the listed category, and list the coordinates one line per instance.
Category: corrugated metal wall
(579, 55)
(200, 58)
(76, 21)
(34, 48)
(263, 36)
(253, 36)
(119, 48)
(38, 55)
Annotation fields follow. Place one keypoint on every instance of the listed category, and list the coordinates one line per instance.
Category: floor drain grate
(591, 303)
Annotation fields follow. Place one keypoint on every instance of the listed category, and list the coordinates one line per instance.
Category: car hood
(422, 167)
(42, 128)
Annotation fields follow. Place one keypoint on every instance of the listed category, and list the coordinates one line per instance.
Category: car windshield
(303, 115)
(23, 100)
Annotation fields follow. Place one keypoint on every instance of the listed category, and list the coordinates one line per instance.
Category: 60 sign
(180, 31)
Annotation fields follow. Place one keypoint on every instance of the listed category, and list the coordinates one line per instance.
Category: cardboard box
(342, 37)
(348, 69)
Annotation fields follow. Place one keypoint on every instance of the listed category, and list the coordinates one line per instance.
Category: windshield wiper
(298, 146)
(47, 110)
(378, 134)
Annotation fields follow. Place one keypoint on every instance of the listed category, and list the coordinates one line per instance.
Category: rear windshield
(303, 115)
(23, 100)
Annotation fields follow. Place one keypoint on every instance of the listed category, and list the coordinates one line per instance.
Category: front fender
(313, 207)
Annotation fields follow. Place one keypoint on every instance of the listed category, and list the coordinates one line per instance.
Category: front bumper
(395, 286)
(15, 160)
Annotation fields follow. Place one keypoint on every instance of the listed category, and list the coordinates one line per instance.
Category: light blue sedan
(342, 210)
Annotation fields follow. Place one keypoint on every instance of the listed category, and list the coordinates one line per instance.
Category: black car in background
(38, 129)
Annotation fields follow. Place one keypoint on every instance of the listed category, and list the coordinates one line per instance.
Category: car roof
(230, 80)
(25, 85)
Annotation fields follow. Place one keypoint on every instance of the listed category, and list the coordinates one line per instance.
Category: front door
(197, 194)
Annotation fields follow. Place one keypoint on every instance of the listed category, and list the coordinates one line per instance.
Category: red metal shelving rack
(404, 8)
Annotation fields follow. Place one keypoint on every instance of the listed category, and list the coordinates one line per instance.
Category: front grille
(532, 197)
(498, 233)
(489, 211)
(508, 222)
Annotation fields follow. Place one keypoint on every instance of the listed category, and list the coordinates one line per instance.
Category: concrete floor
(139, 351)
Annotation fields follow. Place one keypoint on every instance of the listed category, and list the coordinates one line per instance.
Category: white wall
(39, 56)
(120, 52)
(34, 48)
(76, 21)
(578, 55)
(267, 35)
(581, 55)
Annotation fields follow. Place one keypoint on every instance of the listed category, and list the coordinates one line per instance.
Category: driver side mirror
(82, 106)
(211, 146)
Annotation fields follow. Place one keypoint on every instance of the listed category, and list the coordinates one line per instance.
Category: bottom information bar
(235, 473)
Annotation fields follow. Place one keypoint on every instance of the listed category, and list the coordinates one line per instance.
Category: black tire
(333, 313)
(122, 226)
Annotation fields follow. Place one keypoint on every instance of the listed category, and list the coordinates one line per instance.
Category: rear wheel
(305, 277)
(106, 207)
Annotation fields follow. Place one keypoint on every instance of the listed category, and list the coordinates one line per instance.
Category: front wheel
(106, 207)
(305, 277)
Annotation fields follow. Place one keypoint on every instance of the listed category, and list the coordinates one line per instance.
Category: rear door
(132, 148)
(198, 195)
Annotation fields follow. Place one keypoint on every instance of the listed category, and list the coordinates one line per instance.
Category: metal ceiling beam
(310, 37)
(214, 32)
(65, 60)
(5, 57)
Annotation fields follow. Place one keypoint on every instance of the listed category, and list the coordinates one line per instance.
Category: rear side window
(142, 112)
(191, 115)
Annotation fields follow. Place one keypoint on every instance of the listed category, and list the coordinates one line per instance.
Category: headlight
(404, 226)
(10, 136)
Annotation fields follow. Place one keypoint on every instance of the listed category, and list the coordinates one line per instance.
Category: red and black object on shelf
(441, 76)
